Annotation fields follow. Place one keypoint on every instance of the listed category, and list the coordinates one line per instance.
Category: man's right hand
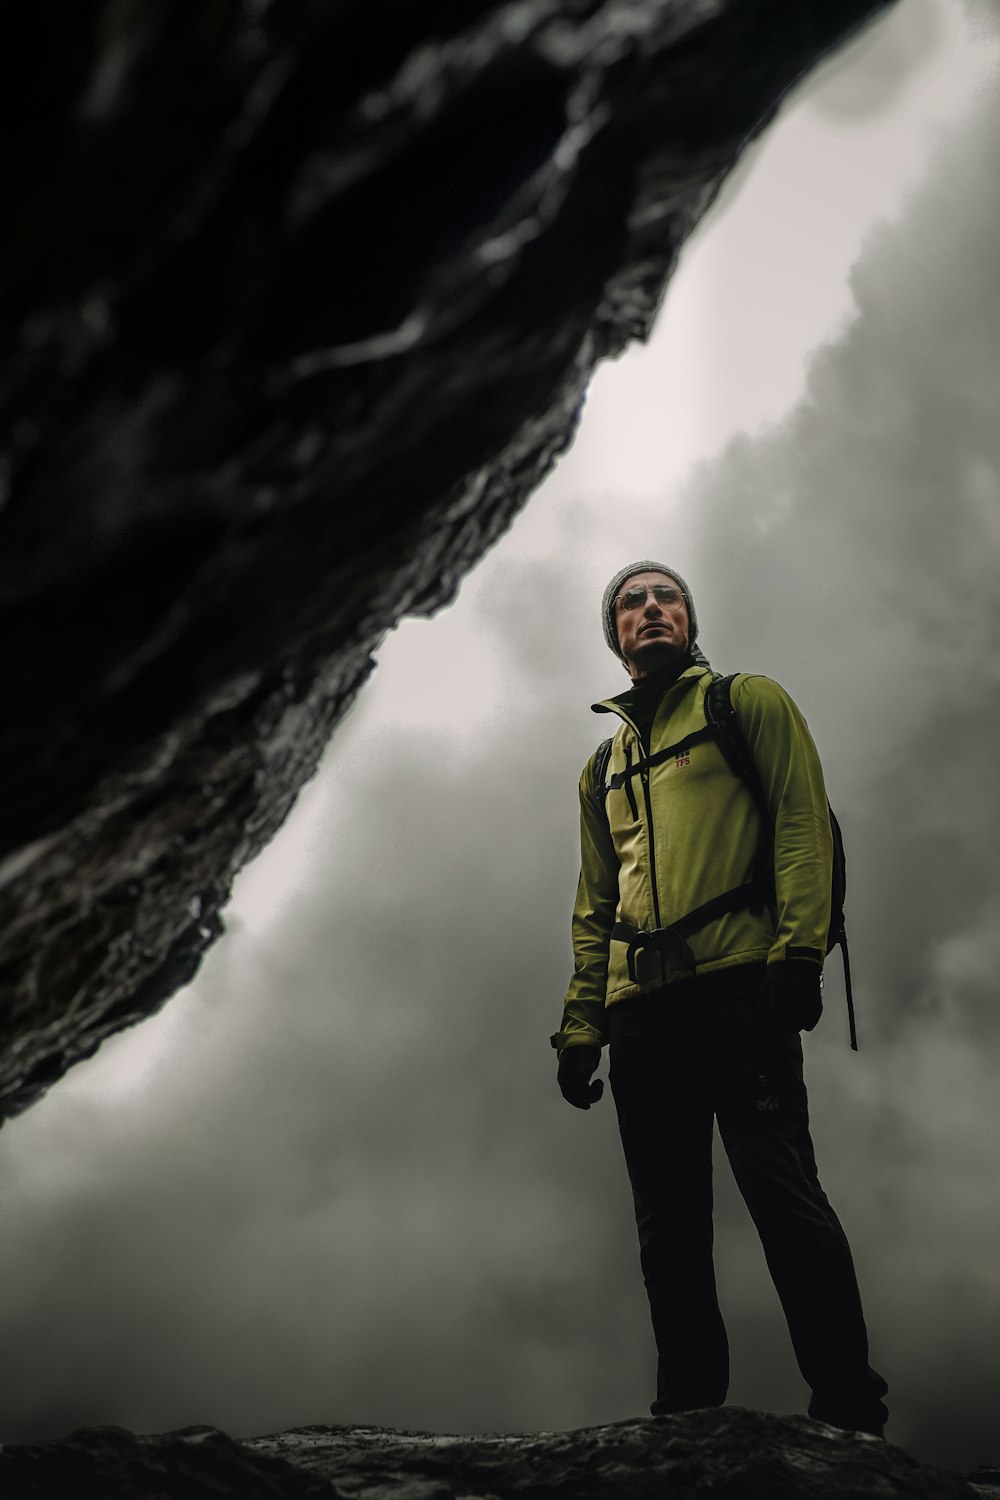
(576, 1064)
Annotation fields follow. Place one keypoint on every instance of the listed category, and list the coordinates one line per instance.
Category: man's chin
(657, 653)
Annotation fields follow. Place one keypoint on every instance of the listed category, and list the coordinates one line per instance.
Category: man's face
(650, 633)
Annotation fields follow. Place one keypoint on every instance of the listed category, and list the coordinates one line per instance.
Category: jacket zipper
(630, 794)
(647, 800)
(644, 777)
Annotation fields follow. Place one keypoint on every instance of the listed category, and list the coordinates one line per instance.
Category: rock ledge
(727, 1454)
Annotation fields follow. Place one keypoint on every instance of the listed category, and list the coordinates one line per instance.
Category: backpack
(724, 727)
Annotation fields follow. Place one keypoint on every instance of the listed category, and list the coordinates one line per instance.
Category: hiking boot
(872, 1426)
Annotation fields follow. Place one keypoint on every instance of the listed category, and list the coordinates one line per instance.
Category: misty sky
(334, 1180)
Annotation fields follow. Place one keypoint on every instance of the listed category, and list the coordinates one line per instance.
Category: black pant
(690, 1053)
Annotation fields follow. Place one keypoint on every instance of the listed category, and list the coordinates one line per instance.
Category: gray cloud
(865, 78)
(347, 1190)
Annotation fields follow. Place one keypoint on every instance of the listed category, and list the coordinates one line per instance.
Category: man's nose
(653, 605)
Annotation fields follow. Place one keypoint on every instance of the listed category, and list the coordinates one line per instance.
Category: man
(703, 1018)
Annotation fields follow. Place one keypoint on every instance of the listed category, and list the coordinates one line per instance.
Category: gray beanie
(611, 594)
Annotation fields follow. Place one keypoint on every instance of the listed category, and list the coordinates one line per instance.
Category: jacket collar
(622, 702)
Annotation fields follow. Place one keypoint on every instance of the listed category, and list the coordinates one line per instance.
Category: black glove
(792, 994)
(576, 1064)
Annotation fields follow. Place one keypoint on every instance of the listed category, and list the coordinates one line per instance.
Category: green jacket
(686, 830)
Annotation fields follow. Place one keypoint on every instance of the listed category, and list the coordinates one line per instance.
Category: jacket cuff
(810, 955)
(589, 1038)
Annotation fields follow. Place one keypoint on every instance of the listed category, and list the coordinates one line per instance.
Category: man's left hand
(792, 994)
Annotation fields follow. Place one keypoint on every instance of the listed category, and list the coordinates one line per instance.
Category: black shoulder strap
(720, 716)
(601, 759)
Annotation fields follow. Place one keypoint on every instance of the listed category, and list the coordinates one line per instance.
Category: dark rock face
(730, 1454)
(298, 304)
(108, 1463)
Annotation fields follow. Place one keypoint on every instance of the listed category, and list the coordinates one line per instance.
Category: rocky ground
(730, 1454)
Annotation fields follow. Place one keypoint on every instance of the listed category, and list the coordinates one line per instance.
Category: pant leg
(666, 1123)
(765, 1131)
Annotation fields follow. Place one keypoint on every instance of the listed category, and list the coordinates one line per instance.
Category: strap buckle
(644, 958)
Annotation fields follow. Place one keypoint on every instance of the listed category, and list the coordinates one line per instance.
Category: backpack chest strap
(669, 752)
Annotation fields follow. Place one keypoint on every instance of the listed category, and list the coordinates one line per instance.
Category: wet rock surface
(729, 1454)
(298, 303)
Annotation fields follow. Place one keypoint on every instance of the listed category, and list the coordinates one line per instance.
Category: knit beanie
(614, 589)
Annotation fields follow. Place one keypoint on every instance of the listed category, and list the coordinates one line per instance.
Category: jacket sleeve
(789, 769)
(584, 1016)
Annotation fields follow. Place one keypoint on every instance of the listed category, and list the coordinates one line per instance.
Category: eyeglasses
(664, 594)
